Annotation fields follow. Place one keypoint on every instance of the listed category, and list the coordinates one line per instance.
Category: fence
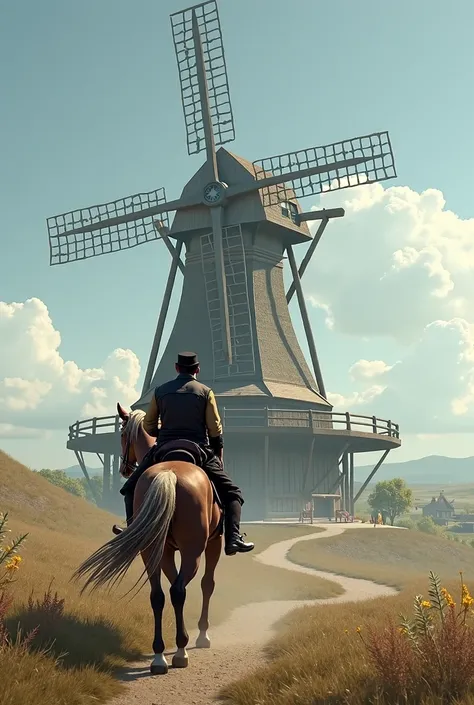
(264, 417)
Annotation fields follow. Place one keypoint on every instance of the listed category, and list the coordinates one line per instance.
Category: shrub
(427, 525)
(51, 606)
(407, 524)
(61, 479)
(431, 654)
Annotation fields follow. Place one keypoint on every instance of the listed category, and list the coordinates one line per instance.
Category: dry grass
(318, 658)
(103, 632)
(394, 557)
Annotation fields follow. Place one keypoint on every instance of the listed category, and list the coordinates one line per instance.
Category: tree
(391, 497)
(60, 479)
(96, 482)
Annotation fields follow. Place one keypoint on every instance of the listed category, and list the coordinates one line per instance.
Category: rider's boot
(234, 540)
(128, 497)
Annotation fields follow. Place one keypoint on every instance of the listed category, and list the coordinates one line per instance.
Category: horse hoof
(180, 661)
(203, 642)
(159, 666)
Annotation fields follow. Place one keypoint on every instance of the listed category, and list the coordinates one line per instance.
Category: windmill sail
(220, 107)
(99, 230)
(377, 164)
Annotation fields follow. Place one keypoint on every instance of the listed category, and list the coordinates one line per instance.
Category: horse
(173, 510)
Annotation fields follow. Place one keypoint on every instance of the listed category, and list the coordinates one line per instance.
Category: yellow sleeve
(150, 422)
(213, 420)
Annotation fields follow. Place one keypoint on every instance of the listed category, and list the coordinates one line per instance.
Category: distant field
(394, 557)
(463, 496)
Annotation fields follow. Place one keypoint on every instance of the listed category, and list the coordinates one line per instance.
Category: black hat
(187, 359)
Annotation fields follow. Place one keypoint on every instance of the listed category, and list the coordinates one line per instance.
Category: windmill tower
(236, 221)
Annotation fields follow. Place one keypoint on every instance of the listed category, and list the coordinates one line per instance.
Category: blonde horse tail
(150, 527)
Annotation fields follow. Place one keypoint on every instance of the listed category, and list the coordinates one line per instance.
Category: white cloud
(8, 431)
(41, 390)
(430, 391)
(366, 369)
(396, 262)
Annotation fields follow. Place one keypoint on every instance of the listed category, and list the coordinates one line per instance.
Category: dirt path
(237, 642)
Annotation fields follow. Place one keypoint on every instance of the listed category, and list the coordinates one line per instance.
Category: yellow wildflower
(13, 563)
(449, 600)
(346, 631)
(358, 630)
(426, 604)
(466, 598)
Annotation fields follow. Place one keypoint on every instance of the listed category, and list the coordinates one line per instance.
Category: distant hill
(434, 469)
(75, 471)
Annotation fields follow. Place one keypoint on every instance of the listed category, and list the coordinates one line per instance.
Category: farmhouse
(440, 509)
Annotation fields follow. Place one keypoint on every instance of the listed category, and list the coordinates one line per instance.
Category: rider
(188, 410)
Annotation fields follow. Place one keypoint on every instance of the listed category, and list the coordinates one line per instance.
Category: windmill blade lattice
(216, 74)
(107, 236)
(378, 165)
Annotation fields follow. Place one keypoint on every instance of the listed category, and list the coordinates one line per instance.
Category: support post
(351, 484)
(162, 319)
(342, 490)
(307, 258)
(307, 472)
(266, 466)
(164, 233)
(306, 324)
(115, 473)
(82, 465)
(106, 479)
(116, 459)
(368, 479)
(345, 470)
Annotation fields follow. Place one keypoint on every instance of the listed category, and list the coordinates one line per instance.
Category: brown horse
(173, 511)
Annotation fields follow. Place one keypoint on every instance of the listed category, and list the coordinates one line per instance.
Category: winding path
(237, 642)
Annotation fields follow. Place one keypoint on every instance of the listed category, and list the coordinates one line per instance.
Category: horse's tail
(109, 563)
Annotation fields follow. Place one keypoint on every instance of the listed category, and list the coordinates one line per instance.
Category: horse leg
(187, 571)
(212, 554)
(159, 665)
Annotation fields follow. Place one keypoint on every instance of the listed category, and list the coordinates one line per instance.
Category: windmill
(236, 220)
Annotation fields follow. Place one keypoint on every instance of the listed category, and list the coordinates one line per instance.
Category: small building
(440, 509)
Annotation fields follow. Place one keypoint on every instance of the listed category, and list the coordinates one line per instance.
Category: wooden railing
(264, 418)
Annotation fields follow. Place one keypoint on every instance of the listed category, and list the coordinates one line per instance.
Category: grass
(318, 658)
(394, 557)
(103, 632)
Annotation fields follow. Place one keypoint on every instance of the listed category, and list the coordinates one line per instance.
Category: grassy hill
(390, 557)
(103, 632)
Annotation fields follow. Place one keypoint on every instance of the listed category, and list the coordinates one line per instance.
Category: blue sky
(91, 112)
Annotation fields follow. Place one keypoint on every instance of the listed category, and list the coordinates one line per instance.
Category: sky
(91, 112)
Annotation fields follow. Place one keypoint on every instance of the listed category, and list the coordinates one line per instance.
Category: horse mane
(134, 424)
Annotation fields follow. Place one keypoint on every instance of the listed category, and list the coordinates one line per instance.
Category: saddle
(186, 451)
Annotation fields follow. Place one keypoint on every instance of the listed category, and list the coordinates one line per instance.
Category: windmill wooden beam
(324, 216)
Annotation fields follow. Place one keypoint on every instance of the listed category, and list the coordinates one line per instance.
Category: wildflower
(13, 564)
(447, 597)
(358, 630)
(426, 604)
(346, 631)
(466, 599)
